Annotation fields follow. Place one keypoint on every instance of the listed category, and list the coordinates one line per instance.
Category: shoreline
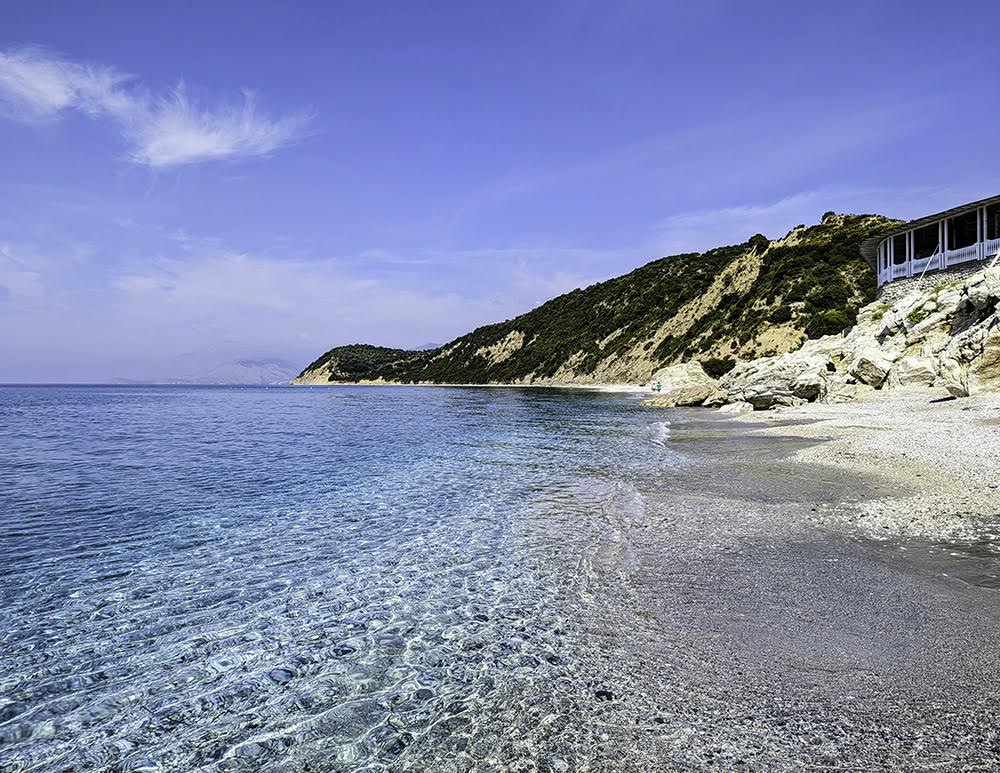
(618, 388)
(945, 452)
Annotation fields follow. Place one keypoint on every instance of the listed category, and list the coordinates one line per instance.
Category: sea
(419, 578)
(322, 578)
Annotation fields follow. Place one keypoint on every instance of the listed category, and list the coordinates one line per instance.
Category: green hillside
(741, 301)
(357, 362)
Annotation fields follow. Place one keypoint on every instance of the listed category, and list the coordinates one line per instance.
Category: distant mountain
(738, 302)
(426, 347)
(249, 372)
(266, 372)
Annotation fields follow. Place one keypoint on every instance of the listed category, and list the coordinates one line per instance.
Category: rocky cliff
(759, 298)
(946, 335)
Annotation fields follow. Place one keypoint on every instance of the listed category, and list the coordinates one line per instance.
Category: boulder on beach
(736, 408)
(686, 384)
(784, 380)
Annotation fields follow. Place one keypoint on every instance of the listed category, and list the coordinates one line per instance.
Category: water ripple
(230, 579)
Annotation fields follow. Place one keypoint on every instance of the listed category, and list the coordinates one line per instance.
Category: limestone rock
(986, 371)
(871, 366)
(685, 396)
(787, 402)
(717, 398)
(736, 408)
(783, 380)
(681, 375)
(983, 289)
(810, 384)
(684, 384)
(913, 371)
(953, 376)
(839, 392)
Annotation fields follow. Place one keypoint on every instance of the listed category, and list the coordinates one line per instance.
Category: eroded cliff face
(738, 302)
(946, 335)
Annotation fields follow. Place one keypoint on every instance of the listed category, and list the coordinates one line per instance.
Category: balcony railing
(930, 263)
(962, 255)
(985, 250)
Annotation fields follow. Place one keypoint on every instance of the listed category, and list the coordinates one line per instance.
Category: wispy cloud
(695, 231)
(161, 130)
(172, 130)
(20, 284)
(91, 315)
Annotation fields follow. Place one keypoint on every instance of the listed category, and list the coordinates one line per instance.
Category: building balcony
(936, 243)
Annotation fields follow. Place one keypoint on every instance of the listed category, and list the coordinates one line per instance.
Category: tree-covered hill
(741, 301)
(355, 362)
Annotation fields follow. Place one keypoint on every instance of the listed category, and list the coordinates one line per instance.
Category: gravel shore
(750, 622)
(944, 453)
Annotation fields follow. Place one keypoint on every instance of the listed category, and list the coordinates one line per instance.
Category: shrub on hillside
(829, 295)
(827, 323)
(782, 314)
(717, 367)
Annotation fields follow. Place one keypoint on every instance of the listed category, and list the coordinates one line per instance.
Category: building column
(980, 232)
(944, 249)
(909, 253)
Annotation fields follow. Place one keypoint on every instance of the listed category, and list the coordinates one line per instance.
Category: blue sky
(186, 183)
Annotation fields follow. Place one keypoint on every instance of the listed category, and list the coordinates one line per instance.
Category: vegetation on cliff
(357, 362)
(741, 301)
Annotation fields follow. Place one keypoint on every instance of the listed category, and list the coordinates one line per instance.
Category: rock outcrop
(948, 336)
(685, 384)
(789, 379)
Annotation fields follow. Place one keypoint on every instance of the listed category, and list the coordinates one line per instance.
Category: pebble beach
(942, 452)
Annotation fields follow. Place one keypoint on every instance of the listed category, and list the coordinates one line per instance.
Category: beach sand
(944, 452)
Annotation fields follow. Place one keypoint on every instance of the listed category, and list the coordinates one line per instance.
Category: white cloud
(36, 87)
(20, 284)
(162, 131)
(174, 131)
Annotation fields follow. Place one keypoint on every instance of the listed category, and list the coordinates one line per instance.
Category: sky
(187, 183)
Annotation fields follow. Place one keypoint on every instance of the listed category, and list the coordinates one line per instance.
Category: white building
(935, 243)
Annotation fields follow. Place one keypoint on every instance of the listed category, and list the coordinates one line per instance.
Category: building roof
(869, 247)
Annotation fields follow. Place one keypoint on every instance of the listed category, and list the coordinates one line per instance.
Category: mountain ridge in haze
(238, 372)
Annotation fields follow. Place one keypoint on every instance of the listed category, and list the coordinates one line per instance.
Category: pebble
(281, 675)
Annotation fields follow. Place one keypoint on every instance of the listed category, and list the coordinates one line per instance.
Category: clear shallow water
(305, 578)
(463, 579)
